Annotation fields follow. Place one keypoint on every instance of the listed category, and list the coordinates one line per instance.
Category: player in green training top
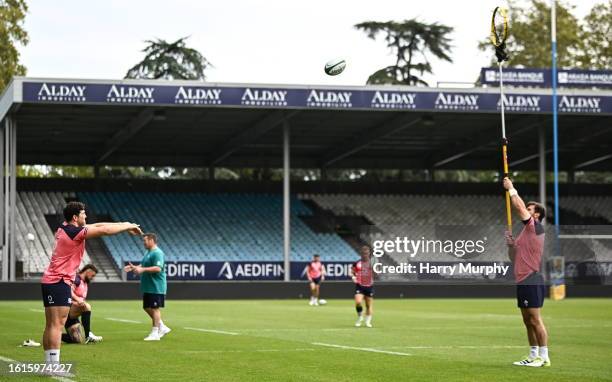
(152, 285)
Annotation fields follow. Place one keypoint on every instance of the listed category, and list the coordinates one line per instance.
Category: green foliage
(12, 14)
(583, 45)
(44, 171)
(596, 35)
(170, 61)
(410, 40)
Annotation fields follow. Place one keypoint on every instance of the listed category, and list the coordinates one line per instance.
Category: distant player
(152, 285)
(316, 275)
(526, 255)
(81, 308)
(61, 273)
(363, 277)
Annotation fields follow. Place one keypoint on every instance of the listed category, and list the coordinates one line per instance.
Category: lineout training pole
(499, 34)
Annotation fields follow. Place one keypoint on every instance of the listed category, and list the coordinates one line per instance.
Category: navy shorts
(530, 292)
(153, 300)
(57, 294)
(317, 280)
(364, 290)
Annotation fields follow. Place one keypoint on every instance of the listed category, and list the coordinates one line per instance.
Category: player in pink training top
(363, 277)
(81, 308)
(526, 255)
(316, 274)
(61, 273)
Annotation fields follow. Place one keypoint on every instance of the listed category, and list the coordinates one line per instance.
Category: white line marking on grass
(295, 329)
(37, 310)
(360, 349)
(56, 377)
(248, 351)
(123, 320)
(213, 331)
(458, 347)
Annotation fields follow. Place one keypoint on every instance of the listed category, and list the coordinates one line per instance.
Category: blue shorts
(367, 291)
(153, 300)
(317, 280)
(57, 294)
(530, 293)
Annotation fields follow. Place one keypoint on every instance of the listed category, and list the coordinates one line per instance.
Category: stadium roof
(200, 124)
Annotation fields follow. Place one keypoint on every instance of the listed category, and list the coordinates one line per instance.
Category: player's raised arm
(517, 202)
(101, 224)
(112, 229)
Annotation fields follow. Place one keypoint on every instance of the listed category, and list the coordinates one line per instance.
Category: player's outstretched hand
(135, 230)
(129, 267)
(508, 184)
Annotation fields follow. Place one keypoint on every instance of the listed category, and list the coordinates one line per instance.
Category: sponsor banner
(252, 97)
(543, 77)
(333, 270)
(244, 270)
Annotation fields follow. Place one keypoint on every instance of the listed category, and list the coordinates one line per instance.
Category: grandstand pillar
(3, 151)
(211, 173)
(9, 199)
(286, 203)
(430, 176)
(542, 163)
(13, 199)
(323, 172)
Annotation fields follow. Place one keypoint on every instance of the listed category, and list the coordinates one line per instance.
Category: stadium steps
(38, 214)
(101, 258)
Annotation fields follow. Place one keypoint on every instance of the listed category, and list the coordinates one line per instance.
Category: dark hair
(89, 267)
(316, 255)
(72, 209)
(151, 236)
(538, 208)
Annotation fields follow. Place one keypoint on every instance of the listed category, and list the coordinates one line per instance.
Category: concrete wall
(281, 290)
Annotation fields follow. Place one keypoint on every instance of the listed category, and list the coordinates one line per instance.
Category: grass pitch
(416, 340)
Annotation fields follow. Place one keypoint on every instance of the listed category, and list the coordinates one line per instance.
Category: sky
(263, 41)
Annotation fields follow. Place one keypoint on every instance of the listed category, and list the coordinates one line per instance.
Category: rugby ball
(335, 67)
(322, 301)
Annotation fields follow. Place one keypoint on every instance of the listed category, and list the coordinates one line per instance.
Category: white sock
(155, 330)
(544, 352)
(533, 351)
(161, 324)
(369, 318)
(52, 356)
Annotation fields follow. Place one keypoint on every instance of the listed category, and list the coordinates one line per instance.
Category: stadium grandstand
(115, 123)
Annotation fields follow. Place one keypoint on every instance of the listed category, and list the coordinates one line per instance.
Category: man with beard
(81, 308)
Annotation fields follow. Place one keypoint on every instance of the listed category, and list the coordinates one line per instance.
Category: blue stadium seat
(213, 227)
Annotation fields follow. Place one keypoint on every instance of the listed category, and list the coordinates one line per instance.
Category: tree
(409, 40)
(12, 14)
(596, 35)
(529, 36)
(170, 61)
